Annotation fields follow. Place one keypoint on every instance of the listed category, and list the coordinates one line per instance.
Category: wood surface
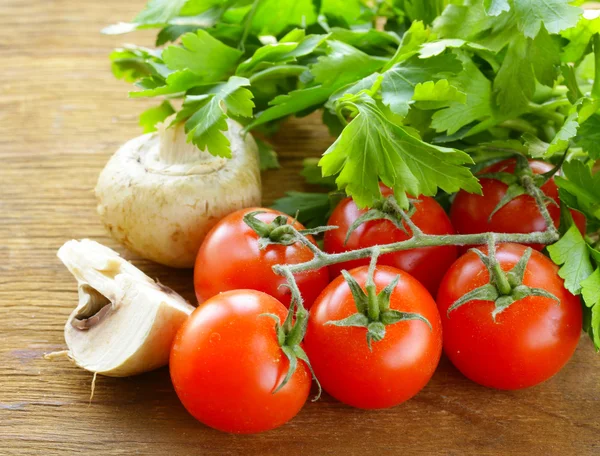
(61, 116)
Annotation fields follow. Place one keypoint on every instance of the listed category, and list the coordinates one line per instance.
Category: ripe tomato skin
(426, 264)
(399, 366)
(469, 212)
(226, 362)
(530, 341)
(229, 259)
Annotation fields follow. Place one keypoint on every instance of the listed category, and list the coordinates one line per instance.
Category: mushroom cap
(161, 209)
(125, 322)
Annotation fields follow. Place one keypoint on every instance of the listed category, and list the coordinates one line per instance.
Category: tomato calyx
(384, 209)
(280, 231)
(504, 288)
(373, 310)
(522, 181)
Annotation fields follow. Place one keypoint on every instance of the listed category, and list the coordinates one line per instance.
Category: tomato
(226, 362)
(230, 259)
(470, 213)
(398, 366)
(426, 264)
(529, 342)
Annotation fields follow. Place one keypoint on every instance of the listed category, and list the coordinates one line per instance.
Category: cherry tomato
(226, 362)
(397, 367)
(230, 259)
(470, 213)
(426, 264)
(529, 342)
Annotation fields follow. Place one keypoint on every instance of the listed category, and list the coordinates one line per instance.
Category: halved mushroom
(125, 322)
(159, 195)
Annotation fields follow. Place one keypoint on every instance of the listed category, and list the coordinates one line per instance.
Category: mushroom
(125, 322)
(159, 195)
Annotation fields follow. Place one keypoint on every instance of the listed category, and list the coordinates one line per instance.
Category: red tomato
(529, 342)
(226, 362)
(470, 212)
(230, 259)
(426, 264)
(398, 366)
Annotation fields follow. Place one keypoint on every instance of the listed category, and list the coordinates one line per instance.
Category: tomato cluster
(374, 335)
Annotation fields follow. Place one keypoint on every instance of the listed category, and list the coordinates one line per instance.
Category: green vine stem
(417, 240)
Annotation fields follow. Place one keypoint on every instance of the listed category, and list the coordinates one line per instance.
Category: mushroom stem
(175, 148)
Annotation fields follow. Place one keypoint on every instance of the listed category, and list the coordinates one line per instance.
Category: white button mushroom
(159, 195)
(125, 322)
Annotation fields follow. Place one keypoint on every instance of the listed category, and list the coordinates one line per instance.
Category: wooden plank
(61, 116)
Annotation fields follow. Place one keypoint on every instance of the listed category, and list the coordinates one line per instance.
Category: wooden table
(61, 116)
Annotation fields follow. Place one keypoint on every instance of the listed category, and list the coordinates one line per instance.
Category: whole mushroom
(159, 195)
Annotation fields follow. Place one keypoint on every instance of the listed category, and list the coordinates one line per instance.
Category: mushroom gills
(125, 322)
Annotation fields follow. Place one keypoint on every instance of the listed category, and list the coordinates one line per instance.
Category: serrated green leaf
(588, 136)
(591, 296)
(555, 15)
(151, 117)
(312, 208)
(279, 53)
(579, 182)
(202, 55)
(496, 7)
(267, 156)
(371, 41)
(411, 42)
(349, 10)
(478, 101)
(311, 171)
(343, 65)
(435, 95)
(572, 253)
(579, 39)
(399, 82)
(274, 16)
(373, 149)
(206, 125)
(159, 11)
(525, 61)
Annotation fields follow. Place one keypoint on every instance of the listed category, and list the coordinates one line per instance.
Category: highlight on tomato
(374, 339)
(235, 256)
(426, 264)
(504, 207)
(510, 328)
(228, 364)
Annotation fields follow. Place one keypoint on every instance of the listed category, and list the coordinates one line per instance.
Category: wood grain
(61, 116)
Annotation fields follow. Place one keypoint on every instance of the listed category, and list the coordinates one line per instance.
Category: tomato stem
(499, 277)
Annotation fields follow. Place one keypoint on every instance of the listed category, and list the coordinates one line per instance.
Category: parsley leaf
(591, 296)
(571, 252)
(267, 156)
(583, 186)
(208, 113)
(372, 148)
(343, 64)
(525, 61)
(589, 136)
(496, 7)
(399, 82)
(155, 115)
(202, 55)
(313, 209)
(477, 106)
(555, 15)
(274, 16)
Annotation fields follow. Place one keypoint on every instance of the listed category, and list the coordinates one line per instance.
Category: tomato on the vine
(396, 367)
(526, 343)
(426, 264)
(226, 363)
(230, 258)
(470, 213)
